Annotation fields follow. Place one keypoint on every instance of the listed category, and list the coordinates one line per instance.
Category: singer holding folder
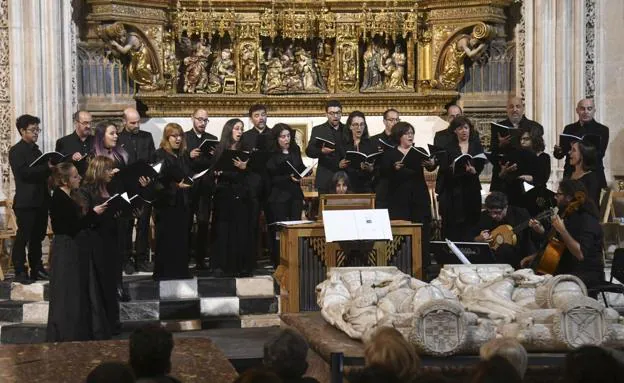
(356, 139)
(172, 206)
(234, 251)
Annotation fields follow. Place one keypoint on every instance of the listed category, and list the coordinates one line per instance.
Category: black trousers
(126, 226)
(199, 213)
(32, 224)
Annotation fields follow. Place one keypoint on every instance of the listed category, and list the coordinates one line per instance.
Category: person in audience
(496, 369)
(586, 124)
(498, 212)
(460, 197)
(356, 139)
(340, 183)
(79, 143)
(30, 202)
(536, 144)
(432, 377)
(150, 353)
(580, 231)
(104, 257)
(286, 198)
(286, 354)
(329, 158)
(388, 349)
(234, 246)
(172, 206)
(408, 194)
(202, 189)
(109, 372)
(582, 158)
(258, 375)
(508, 348)
(384, 141)
(592, 364)
(70, 302)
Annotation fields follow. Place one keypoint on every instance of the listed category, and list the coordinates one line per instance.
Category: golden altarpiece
(293, 55)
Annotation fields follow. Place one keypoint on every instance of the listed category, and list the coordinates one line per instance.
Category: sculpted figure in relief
(452, 69)
(222, 67)
(196, 74)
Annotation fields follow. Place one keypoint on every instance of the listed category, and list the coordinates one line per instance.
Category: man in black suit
(328, 158)
(79, 143)
(390, 118)
(140, 146)
(201, 192)
(586, 125)
(30, 202)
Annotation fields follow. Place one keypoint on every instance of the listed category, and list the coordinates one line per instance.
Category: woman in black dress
(356, 139)
(460, 196)
(171, 207)
(583, 160)
(69, 316)
(286, 197)
(234, 250)
(102, 242)
(536, 145)
(408, 194)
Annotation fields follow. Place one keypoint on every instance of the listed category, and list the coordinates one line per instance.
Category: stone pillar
(42, 51)
(6, 126)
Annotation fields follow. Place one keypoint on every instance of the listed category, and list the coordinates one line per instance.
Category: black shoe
(40, 275)
(122, 295)
(146, 267)
(22, 278)
(129, 268)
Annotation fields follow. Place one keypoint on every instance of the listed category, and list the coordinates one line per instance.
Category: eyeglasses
(393, 120)
(204, 120)
(360, 125)
(34, 130)
(333, 113)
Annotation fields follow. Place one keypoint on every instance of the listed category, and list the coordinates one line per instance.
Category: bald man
(140, 146)
(79, 143)
(201, 192)
(585, 109)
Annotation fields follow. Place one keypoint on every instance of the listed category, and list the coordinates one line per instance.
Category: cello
(547, 260)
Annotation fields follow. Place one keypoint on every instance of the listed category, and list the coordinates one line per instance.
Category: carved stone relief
(5, 100)
(590, 47)
(520, 48)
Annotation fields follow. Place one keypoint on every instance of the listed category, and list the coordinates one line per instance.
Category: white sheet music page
(354, 225)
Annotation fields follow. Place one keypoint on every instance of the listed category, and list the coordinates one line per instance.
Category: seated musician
(581, 233)
(498, 212)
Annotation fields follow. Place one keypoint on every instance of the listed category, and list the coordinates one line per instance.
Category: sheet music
(292, 223)
(354, 225)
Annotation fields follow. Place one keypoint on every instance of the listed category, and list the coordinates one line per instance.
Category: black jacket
(192, 142)
(71, 144)
(525, 125)
(31, 183)
(327, 164)
(174, 169)
(592, 127)
(140, 145)
(283, 189)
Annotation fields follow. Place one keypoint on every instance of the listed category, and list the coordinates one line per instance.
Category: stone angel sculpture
(128, 41)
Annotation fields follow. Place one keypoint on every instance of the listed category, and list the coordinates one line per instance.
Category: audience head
(286, 354)
(403, 133)
(495, 370)
(109, 372)
(592, 364)
(150, 351)
(388, 349)
(257, 375)
(452, 112)
(570, 190)
(99, 172)
(585, 110)
(356, 122)
(200, 120)
(258, 116)
(66, 174)
(508, 348)
(82, 123)
(131, 120)
(283, 134)
(462, 127)
(340, 183)
(584, 155)
(28, 128)
(515, 109)
(496, 205)
(333, 109)
(390, 118)
(173, 138)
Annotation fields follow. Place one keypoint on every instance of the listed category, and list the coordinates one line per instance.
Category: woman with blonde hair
(172, 206)
(389, 350)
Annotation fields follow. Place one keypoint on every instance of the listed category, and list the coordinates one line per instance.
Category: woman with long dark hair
(460, 196)
(535, 143)
(171, 206)
(356, 139)
(70, 312)
(583, 159)
(234, 250)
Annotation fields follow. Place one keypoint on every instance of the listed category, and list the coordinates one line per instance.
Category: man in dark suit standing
(390, 118)
(79, 143)
(328, 158)
(30, 202)
(201, 192)
(442, 139)
(586, 125)
(140, 146)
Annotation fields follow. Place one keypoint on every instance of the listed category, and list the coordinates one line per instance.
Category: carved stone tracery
(5, 100)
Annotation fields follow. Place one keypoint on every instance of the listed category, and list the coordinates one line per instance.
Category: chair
(7, 232)
(617, 271)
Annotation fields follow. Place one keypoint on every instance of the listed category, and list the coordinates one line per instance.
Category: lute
(506, 234)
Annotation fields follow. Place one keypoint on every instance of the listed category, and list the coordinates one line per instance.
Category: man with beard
(79, 143)
(201, 191)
